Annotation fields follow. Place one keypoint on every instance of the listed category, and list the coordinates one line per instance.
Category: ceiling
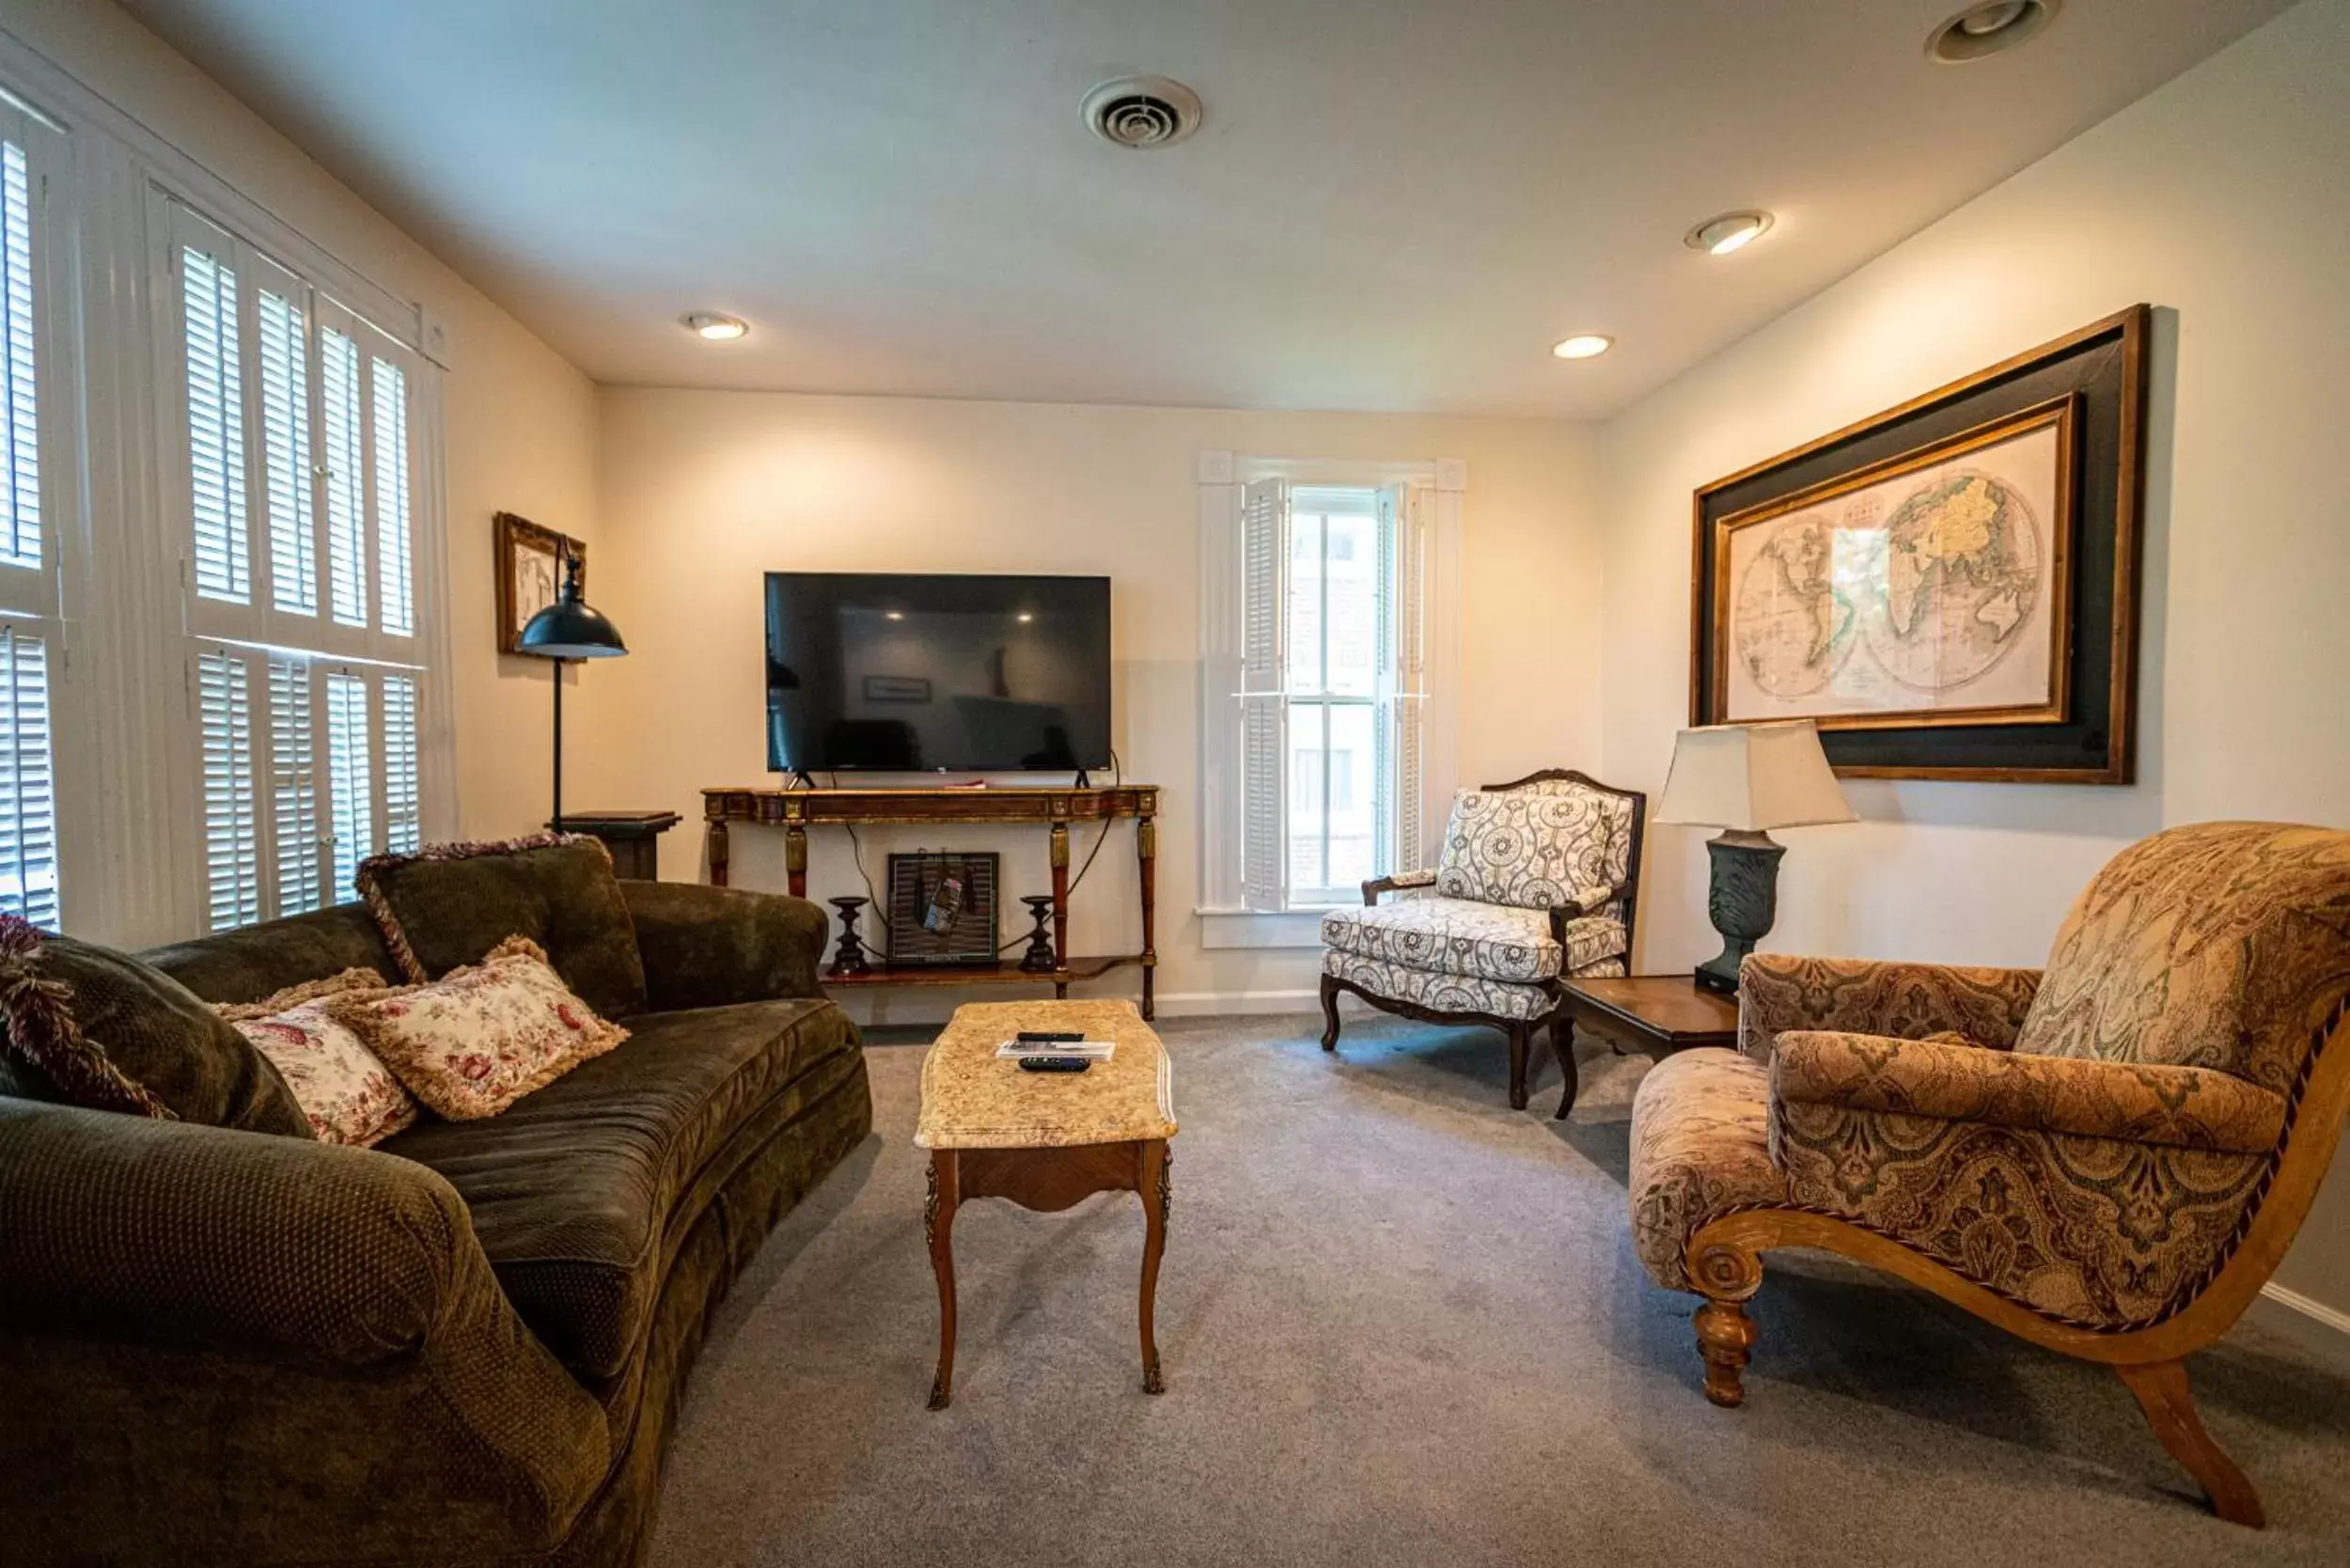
(1391, 204)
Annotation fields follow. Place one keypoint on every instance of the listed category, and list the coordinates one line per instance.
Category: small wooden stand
(1056, 809)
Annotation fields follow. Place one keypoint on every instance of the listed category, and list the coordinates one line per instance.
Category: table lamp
(1747, 779)
(568, 629)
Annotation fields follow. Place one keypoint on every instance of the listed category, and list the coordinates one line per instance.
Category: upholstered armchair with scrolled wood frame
(2107, 1157)
(1538, 880)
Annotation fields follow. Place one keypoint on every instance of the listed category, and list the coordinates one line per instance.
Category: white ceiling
(1392, 204)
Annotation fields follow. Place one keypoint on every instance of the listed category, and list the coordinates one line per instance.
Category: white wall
(520, 420)
(2221, 198)
(703, 492)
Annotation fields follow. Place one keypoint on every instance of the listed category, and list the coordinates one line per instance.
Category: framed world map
(1949, 588)
(1929, 588)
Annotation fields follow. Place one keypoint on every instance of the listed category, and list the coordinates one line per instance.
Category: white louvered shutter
(403, 818)
(1264, 708)
(345, 458)
(232, 826)
(1407, 593)
(215, 408)
(297, 829)
(28, 791)
(350, 778)
(387, 387)
(19, 445)
(288, 481)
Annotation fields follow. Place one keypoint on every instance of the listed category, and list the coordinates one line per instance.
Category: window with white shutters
(20, 439)
(300, 455)
(1313, 639)
(28, 791)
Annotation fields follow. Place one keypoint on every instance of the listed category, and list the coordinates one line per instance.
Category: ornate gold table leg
(1157, 1188)
(938, 1226)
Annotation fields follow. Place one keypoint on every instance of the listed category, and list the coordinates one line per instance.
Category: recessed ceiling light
(1985, 30)
(1583, 345)
(893, 614)
(718, 328)
(1728, 233)
(1026, 616)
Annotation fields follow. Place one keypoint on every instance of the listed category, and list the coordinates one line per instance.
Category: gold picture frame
(529, 572)
(1863, 489)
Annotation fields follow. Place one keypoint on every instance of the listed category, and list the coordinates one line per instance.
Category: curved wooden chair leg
(2162, 1393)
(1727, 1276)
(1521, 1047)
(1329, 1013)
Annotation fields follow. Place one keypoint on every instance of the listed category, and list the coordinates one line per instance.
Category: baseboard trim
(2305, 1320)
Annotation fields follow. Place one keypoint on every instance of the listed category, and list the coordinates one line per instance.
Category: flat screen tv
(903, 673)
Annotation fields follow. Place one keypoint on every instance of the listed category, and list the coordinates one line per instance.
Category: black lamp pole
(568, 629)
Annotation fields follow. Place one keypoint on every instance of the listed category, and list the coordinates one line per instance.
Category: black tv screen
(912, 673)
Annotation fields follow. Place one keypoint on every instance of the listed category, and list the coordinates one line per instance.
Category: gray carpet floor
(1404, 1324)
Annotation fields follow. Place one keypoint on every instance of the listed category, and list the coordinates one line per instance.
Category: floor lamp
(568, 629)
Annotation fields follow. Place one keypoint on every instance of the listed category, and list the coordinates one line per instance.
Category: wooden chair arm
(1394, 882)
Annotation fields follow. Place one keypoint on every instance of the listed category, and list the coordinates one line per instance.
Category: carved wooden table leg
(938, 1225)
(1147, 853)
(795, 858)
(1562, 1046)
(715, 839)
(1156, 1187)
(1061, 905)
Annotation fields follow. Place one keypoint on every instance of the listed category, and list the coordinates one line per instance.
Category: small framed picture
(896, 688)
(530, 572)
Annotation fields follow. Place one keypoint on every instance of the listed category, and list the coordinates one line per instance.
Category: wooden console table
(797, 810)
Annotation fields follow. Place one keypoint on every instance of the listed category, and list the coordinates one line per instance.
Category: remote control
(1055, 1064)
(1049, 1037)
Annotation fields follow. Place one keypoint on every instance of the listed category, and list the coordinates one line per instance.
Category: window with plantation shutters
(20, 425)
(1314, 614)
(299, 452)
(28, 791)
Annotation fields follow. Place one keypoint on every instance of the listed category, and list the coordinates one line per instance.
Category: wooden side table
(633, 837)
(1657, 1014)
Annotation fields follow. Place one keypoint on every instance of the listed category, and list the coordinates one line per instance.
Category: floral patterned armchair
(2107, 1157)
(1538, 880)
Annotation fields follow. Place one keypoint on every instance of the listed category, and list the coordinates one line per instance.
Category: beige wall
(521, 419)
(2220, 199)
(703, 492)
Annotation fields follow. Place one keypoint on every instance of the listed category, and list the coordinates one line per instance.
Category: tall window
(1329, 709)
(298, 490)
(29, 627)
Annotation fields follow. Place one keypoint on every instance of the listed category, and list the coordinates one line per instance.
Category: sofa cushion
(449, 904)
(251, 963)
(581, 1192)
(122, 1035)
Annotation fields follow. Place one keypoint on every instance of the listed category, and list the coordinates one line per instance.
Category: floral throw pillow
(344, 1089)
(479, 1038)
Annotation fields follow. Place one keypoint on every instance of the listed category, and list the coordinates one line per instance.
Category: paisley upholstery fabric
(1862, 995)
(2193, 1107)
(1534, 847)
(1700, 1150)
(2104, 1232)
(2223, 945)
(1458, 937)
(1438, 991)
(2090, 1141)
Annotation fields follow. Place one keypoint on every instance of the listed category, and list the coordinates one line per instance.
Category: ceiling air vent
(1142, 110)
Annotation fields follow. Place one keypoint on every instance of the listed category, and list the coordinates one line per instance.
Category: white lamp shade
(1752, 778)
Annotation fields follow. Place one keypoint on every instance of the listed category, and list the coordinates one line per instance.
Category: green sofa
(464, 1346)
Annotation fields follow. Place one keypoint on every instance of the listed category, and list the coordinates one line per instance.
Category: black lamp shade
(568, 628)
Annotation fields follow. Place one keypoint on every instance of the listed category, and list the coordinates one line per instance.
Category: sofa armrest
(292, 1350)
(1394, 882)
(1778, 991)
(121, 1225)
(710, 947)
(2191, 1108)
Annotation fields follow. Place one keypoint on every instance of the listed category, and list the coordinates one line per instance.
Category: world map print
(1928, 591)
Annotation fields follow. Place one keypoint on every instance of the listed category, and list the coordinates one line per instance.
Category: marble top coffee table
(1043, 1140)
